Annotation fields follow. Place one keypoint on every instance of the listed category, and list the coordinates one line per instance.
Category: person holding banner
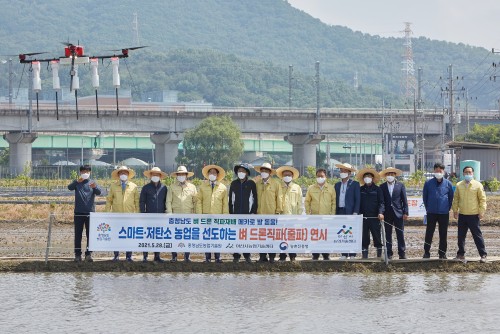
(85, 192)
(181, 198)
(152, 200)
(438, 199)
(269, 198)
(348, 196)
(123, 196)
(320, 200)
(292, 197)
(372, 208)
(396, 210)
(212, 197)
(242, 198)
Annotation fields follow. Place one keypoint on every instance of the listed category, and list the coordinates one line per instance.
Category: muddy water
(242, 303)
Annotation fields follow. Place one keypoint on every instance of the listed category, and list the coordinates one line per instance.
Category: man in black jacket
(242, 198)
(372, 209)
(152, 199)
(85, 192)
(396, 209)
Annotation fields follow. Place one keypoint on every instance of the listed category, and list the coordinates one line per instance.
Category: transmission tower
(135, 30)
(408, 83)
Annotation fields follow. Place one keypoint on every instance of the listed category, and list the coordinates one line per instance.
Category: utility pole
(415, 155)
(318, 113)
(452, 116)
(383, 134)
(11, 77)
(290, 72)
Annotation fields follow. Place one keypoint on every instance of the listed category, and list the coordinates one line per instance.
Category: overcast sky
(473, 22)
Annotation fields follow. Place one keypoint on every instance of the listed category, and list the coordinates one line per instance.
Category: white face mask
(124, 177)
(155, 179)
(320, 180)
(390, 178)
(343, 175)
(287, 179)
(242, 175)
(438, 176)
(368, 180)
(212, 177)
(264, 175)
(181, 178)
(85, 176)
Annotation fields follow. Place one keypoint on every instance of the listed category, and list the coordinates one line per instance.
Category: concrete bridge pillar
(19, 150)
(304, 149)
(166, 149)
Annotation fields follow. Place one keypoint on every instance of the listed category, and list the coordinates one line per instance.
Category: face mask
(212, 177)
(85, 176)
(287, 179)
(368, 180)
(181, 178)
(155, 178)
(264, 175)
(124, 177)
(438, 176)
(320, 180)
(343, 175)
(390, 178)
(468, 177)
(242, 175)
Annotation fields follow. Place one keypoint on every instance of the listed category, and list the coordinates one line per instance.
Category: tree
(4, 157)
(216, 140)
(489, 134)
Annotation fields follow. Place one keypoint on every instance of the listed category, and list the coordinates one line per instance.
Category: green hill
(270, 32)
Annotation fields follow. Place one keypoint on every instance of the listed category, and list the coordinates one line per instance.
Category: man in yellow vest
(292, 197)
(269, 198)
(123, 196)
(212, 197)
(181, 198)
(469, 206)
(320, 200)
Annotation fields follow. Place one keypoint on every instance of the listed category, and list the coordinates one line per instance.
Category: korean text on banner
(225, 233)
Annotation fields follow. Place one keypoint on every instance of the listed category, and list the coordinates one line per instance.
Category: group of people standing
(382, 206)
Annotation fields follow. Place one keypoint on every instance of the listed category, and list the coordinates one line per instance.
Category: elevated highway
(166, 125)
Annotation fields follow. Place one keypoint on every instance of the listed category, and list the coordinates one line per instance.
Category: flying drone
(74, 55)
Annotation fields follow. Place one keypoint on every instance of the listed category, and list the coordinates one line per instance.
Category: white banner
(149, 232)
(416, 207)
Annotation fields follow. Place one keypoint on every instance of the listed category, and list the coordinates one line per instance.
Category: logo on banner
(103, 230)
(181, 245)
(283, 245)
(344, 231)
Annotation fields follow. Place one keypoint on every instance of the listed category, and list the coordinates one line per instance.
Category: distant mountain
(268, 31)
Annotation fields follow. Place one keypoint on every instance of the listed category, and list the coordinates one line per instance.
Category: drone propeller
(132, 48)
(32, 54)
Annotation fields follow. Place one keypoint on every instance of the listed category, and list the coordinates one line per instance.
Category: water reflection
(233, 303)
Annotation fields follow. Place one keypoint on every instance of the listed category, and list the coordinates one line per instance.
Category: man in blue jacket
(85, 192)
(396, 209)
(152, 200)
(348, 196)
(438, 198)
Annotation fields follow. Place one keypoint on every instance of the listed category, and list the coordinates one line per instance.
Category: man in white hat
(396, 209)
(269, 197)
(320, 200)
(212, 197)
(372, 208)
(152, 200)
(348, 196)
(123, 196)
(292, 197)
(181, 198)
